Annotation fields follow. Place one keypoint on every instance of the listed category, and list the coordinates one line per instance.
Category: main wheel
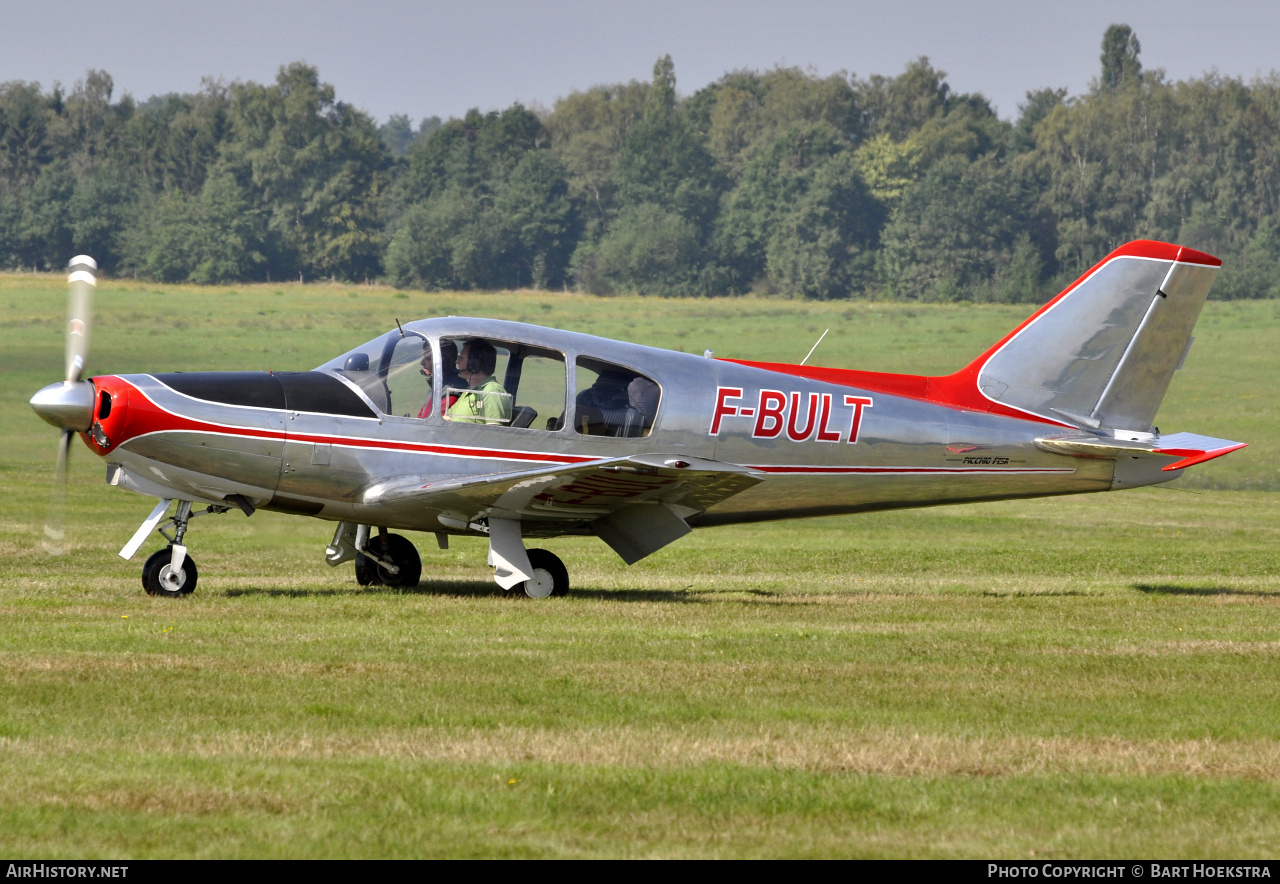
(156, 571)
(367, 571)
(395, 549)
(550, 577)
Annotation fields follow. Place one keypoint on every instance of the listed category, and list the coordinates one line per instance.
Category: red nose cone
(110, 415)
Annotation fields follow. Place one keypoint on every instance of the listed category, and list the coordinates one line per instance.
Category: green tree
(533, 207)
(802, 219)
(315, 168)
(1099, 158)
(962, 231)
(649, 250)
(1253, 273)
(46, 237)
(214, 237)
(1120, 65)
(587, 131)
(1039, 104)
(664, 176)
(663, 160)
(100, 207)
(822, 247)
(25, 114)
(745, 111)
(487, 206)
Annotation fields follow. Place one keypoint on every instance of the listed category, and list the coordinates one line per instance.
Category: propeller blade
(55, 534)
(81, 280)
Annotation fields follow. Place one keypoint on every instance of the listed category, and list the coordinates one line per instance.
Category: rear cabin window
(612, 400)
(502, 384)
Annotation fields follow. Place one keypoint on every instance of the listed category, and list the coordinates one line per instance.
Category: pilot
(486, 402)
(448, 362)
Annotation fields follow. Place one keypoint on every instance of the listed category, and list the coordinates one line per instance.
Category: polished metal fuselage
(907, 452)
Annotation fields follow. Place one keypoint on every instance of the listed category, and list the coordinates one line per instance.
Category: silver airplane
(458, 426)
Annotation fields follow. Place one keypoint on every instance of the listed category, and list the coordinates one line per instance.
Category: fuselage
(316, 443)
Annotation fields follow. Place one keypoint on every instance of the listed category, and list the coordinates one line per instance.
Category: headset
(481, 356)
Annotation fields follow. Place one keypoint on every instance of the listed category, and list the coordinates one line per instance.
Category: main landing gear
(537, 572)
(385, 559)
(382, 560)
(389, 560)
(160, 577)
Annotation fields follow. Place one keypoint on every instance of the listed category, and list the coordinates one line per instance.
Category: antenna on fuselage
(402, 329)
(814, 347)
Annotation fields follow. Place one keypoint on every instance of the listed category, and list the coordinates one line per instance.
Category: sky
(441, 58)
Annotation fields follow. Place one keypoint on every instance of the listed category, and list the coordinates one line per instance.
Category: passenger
(642, 396)
(448, 364)
(619, 403)
(597, 403)
(486, 402)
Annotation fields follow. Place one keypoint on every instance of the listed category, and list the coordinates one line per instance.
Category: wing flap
(574, 492)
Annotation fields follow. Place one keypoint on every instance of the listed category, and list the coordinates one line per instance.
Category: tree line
(778, 181)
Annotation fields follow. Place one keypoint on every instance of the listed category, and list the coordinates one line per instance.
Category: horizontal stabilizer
(1189, 448)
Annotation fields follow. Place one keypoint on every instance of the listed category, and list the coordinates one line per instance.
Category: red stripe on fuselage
(146, 417)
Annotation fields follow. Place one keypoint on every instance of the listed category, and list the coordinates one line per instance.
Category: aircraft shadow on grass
(483, 589)
(1172, 589)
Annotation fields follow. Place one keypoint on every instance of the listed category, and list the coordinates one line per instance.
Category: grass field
(1093, 676)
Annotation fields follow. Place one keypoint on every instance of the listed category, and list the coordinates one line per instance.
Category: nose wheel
(160, 578)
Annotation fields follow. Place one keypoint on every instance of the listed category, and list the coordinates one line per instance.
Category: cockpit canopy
(440, 373)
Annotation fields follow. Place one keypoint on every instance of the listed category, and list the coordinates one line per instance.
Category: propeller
(69, 405)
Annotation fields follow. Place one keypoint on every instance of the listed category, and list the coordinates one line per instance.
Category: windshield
(368, 365)
(366, 357)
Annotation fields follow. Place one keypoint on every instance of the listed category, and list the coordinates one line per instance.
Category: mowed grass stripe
(212, 808)
(791, 746)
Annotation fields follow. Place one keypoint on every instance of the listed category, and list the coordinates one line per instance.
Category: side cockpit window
(613, 401)
(502, 384)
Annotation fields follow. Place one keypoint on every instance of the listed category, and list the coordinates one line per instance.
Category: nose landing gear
(170, 572)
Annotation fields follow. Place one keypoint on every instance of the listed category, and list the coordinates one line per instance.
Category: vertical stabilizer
(1102, 353)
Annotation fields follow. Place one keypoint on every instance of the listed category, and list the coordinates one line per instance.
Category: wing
(635, 504)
